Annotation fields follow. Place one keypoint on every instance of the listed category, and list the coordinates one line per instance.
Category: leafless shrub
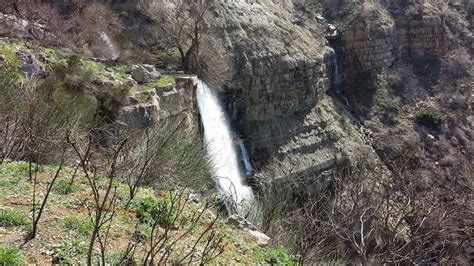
(35, 129)
(104, 205)
(138, 160)
(458, 63)
(369, 215)
(164, 238)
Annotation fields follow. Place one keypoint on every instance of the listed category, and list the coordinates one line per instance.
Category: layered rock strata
(369, 45)
(174, 103)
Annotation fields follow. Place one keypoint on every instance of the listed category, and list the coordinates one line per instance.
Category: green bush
(10, 256)
(430, 117)
(10, 217)
(14, 170)
(150, 210)
(275, 256)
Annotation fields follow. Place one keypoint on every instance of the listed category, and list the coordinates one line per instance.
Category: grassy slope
(65, 226)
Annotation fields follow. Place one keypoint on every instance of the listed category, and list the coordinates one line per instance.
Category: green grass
(274, 256)
(64, 187)
(11, 217)
(14, 170)
(10, 256)
(73, 228)
(9, 56)
(79, 225)
(163, 81)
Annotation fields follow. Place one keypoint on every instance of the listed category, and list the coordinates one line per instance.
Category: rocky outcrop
(171, 103)
(250, 230)
(370, 45)
(15, 27)
(144, 73)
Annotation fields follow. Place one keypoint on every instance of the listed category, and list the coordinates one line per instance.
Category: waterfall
(222, 148)
(337, 80)
(245, 159)
(363, 130)
(110, 45)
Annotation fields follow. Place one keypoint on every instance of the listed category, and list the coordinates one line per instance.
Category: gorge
(238, 131)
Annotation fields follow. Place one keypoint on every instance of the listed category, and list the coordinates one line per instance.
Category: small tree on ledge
(180, 25)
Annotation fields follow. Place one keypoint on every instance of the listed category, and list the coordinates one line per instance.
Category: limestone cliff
(283, 72)
(375, 35)
(174, 103)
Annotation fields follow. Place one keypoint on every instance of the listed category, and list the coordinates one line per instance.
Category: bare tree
(181, 24)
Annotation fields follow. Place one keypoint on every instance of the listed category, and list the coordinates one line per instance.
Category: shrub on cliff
(430, 117)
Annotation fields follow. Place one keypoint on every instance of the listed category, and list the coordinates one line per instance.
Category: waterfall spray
(221, 147)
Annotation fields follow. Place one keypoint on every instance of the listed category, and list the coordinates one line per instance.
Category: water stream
(114, 53)
(365, 132)
(222, 149)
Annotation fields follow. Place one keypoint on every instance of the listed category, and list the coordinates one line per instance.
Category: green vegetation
(9, 55)
(150, 210)
(276, 256)
(69, 225)
(65, 187)
(66, 251)
(78, 225)
(163, 81)
(430, 117)
(11, 217)
(10, 255)
(166, 59)
(9, 73)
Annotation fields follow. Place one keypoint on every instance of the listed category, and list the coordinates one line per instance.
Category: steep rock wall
(279, 103)
(172, 103)
(370, 46)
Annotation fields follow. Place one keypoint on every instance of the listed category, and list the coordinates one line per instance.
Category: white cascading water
(114, 53)
(221, 147)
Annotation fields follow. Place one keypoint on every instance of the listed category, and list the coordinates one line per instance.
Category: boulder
(141, 75)
(144, 73)
(241, 223)
(194, 198)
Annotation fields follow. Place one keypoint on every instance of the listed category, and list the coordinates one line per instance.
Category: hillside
(315, 131)
(65, 228)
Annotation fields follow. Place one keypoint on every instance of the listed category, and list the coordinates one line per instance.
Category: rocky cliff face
(283, 71)
(378, 38)
(173, 103)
